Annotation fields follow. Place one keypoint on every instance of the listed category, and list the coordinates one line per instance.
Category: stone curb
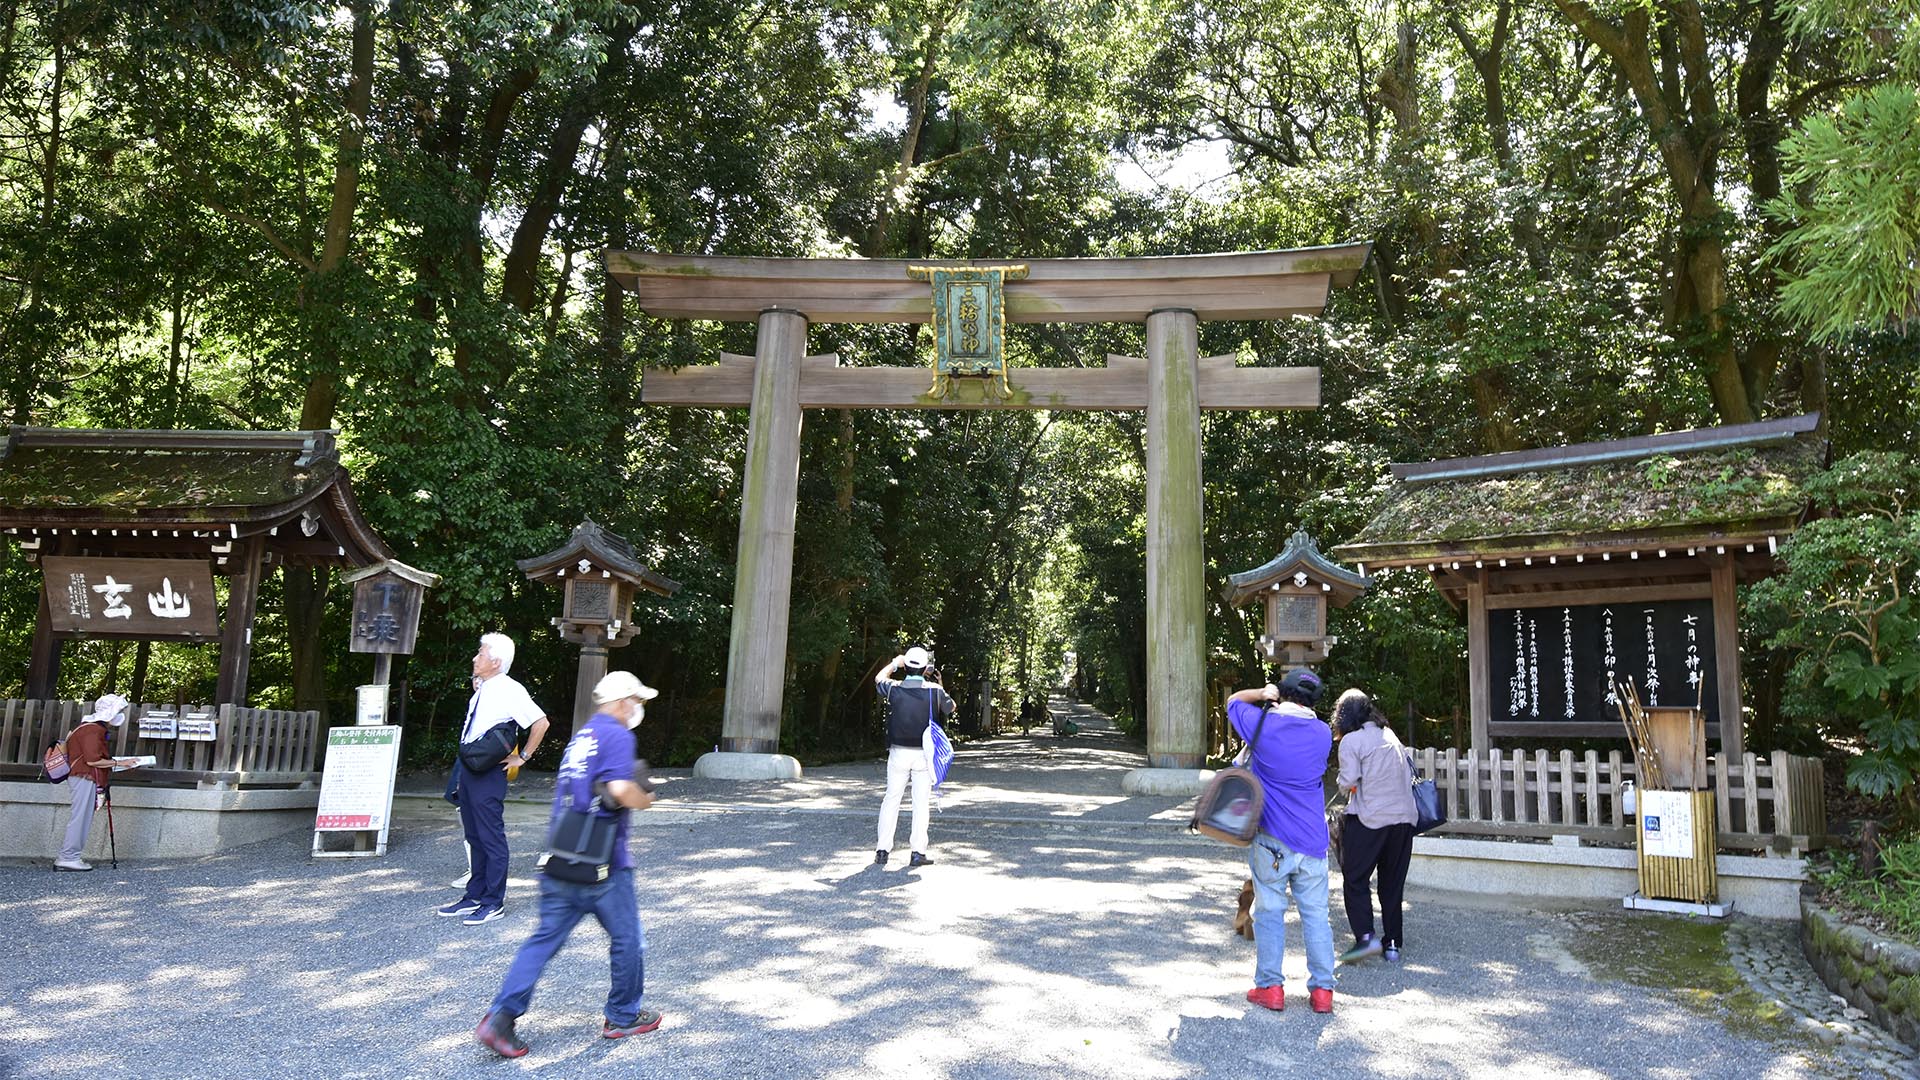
(1877, 975)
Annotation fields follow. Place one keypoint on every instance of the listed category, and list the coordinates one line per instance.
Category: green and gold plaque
(969, 322)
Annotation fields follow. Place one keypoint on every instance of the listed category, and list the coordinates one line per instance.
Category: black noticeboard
(1557, 664)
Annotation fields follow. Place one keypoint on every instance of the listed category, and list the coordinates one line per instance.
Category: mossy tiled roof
(200, 483)
(1724, 492)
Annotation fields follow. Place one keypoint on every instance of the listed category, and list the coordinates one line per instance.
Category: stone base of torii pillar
(1180, 782)
(730, 765)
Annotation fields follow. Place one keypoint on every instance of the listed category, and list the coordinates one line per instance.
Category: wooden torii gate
(1174, 383)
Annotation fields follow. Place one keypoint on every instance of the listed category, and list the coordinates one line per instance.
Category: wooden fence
(251, 747)
(1777, 801)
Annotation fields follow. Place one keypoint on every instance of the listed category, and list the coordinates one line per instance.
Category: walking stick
(113, 850)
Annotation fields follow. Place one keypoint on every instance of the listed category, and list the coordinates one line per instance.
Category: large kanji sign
(149, 598)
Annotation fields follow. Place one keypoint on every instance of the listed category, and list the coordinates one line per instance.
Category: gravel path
(1064, 930)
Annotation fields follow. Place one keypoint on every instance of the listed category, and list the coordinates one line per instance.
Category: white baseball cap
(618, 685)
(917, 657)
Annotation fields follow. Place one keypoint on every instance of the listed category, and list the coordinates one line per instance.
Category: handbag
(484, 754)
(580, 846)
(1229, 808)
(1426, 801)
(939, 747)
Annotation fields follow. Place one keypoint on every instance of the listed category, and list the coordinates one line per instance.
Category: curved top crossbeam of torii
(1231, 286)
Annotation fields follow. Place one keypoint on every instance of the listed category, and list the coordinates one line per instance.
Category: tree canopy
(1591, 218)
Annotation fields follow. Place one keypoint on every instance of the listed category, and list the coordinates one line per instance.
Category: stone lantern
(599, 575)
(1297, 585)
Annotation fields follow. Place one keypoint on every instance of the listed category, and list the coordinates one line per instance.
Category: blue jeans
(1276, 868)
(562, 905)
(483, 807)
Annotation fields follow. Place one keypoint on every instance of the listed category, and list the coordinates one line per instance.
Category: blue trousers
(562, 905)
(1277, 868)
(483, 799)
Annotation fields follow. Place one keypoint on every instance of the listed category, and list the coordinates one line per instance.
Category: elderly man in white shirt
(497, 699)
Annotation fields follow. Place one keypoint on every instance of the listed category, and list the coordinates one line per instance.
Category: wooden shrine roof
(143, 491)
(1711, 487)
(1300, 554)
(1235, 285)
(605, 551)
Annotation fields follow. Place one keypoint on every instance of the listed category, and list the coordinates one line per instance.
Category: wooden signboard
(1559, 664)
(356, 788)
(146, 598)
(386, 614)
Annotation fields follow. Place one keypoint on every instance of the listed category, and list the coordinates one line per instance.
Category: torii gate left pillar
(1173, 384)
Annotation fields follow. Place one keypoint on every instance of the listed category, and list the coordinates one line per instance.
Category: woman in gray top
(1377, 835)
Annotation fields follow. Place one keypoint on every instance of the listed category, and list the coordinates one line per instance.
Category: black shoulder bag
(580, 844)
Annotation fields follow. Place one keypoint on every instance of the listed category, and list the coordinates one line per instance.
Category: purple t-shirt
(1290, 761)
(600, 751)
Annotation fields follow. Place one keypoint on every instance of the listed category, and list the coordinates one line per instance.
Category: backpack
(1229, 809)
(54, 768)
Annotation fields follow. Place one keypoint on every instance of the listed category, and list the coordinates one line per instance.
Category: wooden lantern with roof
(1296, 586)
(600, 575)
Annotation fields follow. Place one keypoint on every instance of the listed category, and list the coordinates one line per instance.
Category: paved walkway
(1064, 930)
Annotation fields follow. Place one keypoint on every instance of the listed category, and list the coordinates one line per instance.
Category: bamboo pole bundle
(1646, 754)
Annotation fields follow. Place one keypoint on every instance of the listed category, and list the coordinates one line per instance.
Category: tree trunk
(305, 587)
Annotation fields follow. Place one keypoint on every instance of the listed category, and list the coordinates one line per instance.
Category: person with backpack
(1290, 746)
(597, 776)
(89, 770)
(911, 703)
(1376, 772)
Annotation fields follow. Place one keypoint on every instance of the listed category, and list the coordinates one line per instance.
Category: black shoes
(918, 860)
(880, 857)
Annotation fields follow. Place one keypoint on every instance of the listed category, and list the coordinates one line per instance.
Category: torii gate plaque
(1171, 294)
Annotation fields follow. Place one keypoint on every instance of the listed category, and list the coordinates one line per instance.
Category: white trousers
(906, 763)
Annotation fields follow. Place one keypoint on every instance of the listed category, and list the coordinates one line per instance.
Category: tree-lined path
(1064, 931)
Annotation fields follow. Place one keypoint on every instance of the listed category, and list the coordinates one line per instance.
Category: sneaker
(918, 860)
(1365, 947)
(462, 906)
(484, 915)
(1392, 954)
(643, 1023)
(880, 857)
(72, 864)
(499, 1036)
(1269, 997)
(1321, 998)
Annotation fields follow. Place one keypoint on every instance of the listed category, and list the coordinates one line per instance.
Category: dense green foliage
(387, 217)
(1847, 610)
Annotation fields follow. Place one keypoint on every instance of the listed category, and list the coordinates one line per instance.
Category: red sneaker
(643, 1023)
(1269, 997)
(1321, 998)
(498, 1036)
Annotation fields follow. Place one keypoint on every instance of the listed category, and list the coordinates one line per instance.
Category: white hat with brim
(917, 657)
(109, 709)
(619, 685)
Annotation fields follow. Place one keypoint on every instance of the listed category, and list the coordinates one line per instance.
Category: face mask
(639, 713)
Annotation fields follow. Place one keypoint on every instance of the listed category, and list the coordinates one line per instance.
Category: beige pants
(906, 763)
